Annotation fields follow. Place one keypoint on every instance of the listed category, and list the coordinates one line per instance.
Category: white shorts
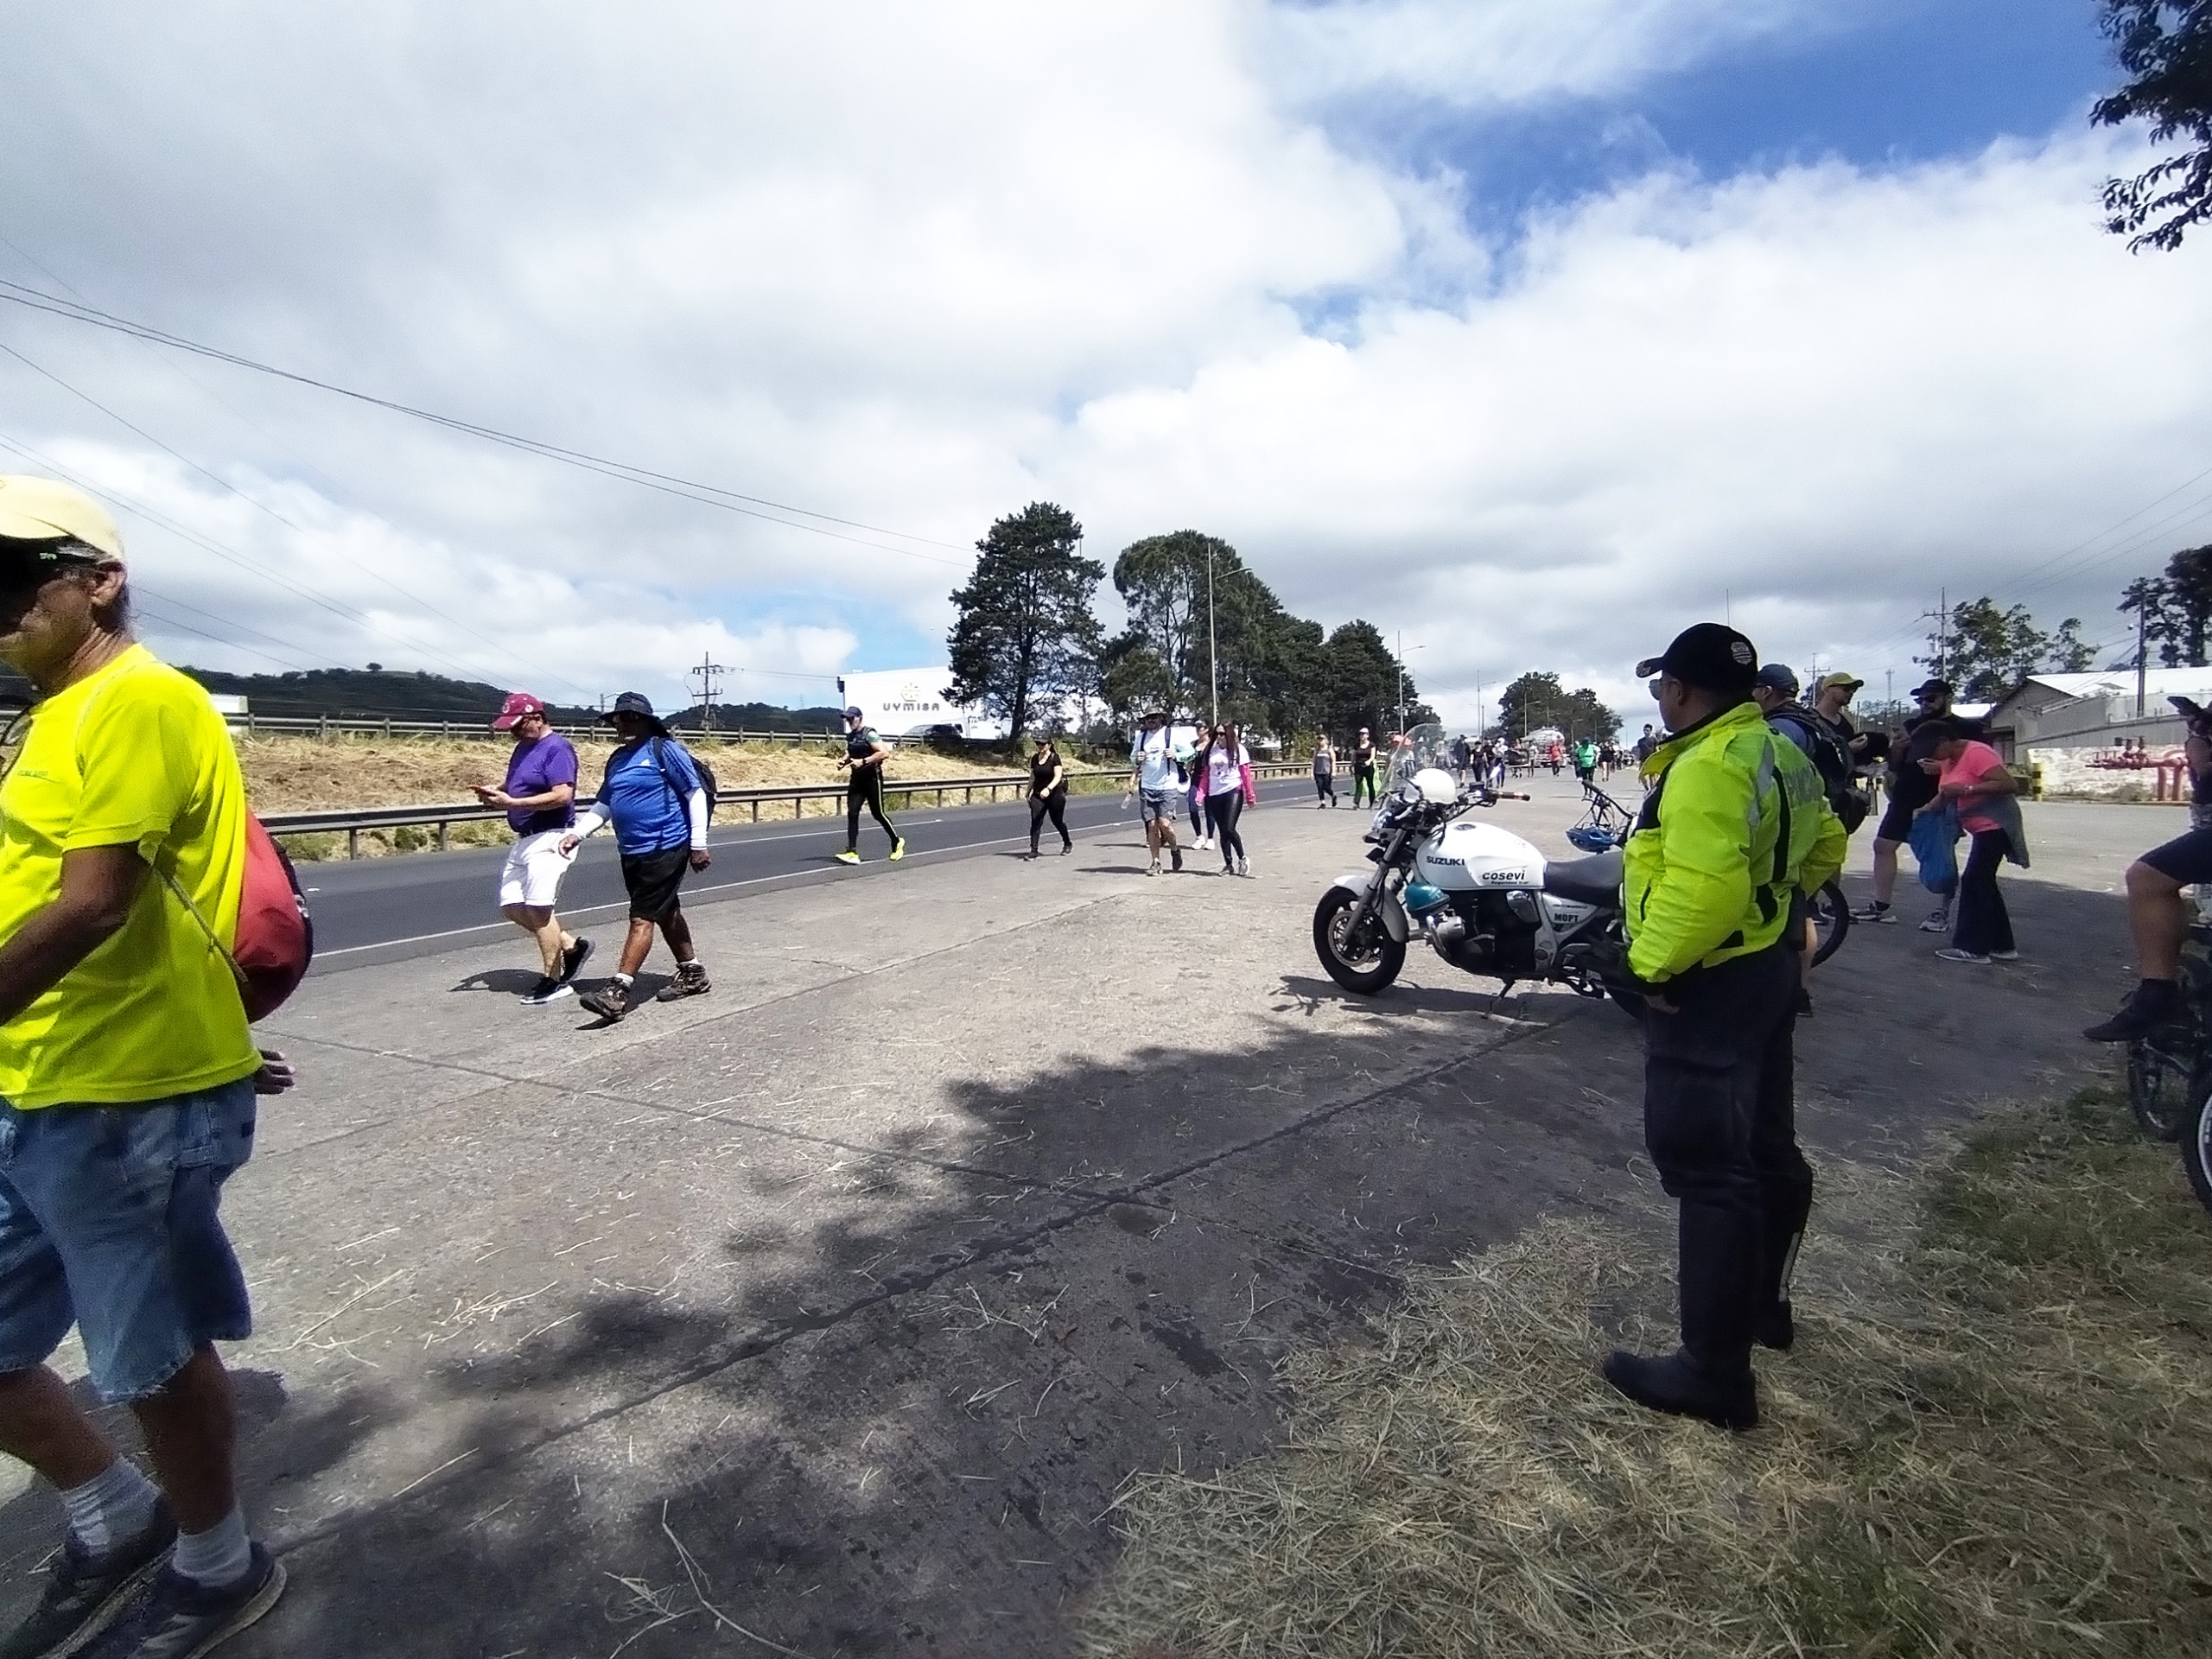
(534, 868)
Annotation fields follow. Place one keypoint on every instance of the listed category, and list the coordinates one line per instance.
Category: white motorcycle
(1483, 899)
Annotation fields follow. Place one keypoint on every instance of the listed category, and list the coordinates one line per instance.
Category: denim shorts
(108, 1223)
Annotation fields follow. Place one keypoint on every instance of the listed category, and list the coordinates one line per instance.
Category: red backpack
(275, 934)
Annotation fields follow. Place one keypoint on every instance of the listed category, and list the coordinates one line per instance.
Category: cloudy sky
(1534, 329)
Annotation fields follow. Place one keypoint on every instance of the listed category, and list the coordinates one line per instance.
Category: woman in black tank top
(1048, 795)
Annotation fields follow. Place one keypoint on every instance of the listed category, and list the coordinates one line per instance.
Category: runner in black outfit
(1048, 795)
(865, 753)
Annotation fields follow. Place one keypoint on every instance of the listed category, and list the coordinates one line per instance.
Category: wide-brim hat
(636, 702)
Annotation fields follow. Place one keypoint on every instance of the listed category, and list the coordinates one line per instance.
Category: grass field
(1991, 1440)
(293, 774)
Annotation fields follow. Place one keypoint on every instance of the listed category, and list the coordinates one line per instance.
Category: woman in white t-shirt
(1221, 772)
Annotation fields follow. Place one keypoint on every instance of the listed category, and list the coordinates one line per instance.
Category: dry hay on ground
(297, 774)
(1994, 1439)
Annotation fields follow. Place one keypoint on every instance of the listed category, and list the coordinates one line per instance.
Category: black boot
(1777, 1328)
(1681, 1387)
(2153, 1003)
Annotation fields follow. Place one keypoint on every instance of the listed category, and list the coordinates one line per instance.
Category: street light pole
(1401, 680)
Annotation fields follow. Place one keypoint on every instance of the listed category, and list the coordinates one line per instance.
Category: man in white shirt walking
(1158, 790)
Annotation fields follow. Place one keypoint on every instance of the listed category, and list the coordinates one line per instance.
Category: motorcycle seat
(1595, 881)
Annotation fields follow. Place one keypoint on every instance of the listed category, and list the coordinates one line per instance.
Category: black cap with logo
(1710, 657)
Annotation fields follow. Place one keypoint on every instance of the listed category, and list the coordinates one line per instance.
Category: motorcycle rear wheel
(1831, 913)
(1362, 966)
(2165, 1081)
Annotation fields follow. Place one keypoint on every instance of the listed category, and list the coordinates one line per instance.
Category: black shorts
(2186, 859)
(1896, 815)
(652, 880)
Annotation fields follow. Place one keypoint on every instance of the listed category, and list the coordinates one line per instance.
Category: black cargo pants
(1720, 1122)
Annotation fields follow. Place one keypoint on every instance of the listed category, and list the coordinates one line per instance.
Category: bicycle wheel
(2196, 1147)
(1831, 915)
(2162, 1074)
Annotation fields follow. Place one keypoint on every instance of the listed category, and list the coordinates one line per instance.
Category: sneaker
(849, 856)
(1154, 869)
(1952, 953)
(1176, 852)
(1939, 921)
(2141, 1014)
(1678, 1385)
(1204, 844)
(1066, 846)
(610, 1002)
(183, 1618)
(690, 980)
(573, 959)
(548, 989)
(86, 1593)
(1244, 865)
(2004, 955)
(898, 849)
(1875, 916)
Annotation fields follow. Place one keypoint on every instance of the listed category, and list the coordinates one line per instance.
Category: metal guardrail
(255, 725)
(351, 822)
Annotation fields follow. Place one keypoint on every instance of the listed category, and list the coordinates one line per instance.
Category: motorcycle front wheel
(2196, 1149)
(1363, 965)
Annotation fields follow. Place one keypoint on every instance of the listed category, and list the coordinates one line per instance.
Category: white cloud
(918, 266)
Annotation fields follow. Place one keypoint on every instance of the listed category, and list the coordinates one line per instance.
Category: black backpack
(706, 774)
(1833, 761)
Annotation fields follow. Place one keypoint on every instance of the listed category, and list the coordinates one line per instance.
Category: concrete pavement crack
(768, 1338)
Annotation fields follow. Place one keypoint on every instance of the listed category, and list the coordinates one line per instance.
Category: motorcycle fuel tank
(1471, 856)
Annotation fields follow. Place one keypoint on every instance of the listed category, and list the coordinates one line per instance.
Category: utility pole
(2142, 653)
(1213, 670)
(707, 678)
(1401, 680)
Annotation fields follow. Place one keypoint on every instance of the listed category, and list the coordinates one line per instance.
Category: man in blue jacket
(657, 801)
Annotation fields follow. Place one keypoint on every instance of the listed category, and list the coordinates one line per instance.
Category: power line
(711, 495)
(223, 483)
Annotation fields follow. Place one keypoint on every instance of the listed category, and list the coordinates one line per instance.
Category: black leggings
(1979, 922)
(1222, 811)
(1325, 786)
(865, 789)
(1362, 783)
(1054, 806)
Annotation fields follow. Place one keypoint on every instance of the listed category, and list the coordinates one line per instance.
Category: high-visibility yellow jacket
(1701, 879)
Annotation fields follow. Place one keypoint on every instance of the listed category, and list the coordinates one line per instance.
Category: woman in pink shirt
(1971, 776)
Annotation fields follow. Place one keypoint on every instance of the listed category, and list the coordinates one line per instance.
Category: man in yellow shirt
(127, 1086)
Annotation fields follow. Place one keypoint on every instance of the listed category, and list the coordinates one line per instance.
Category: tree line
(1202, 629)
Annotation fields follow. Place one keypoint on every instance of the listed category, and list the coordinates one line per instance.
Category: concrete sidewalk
(857, 1288)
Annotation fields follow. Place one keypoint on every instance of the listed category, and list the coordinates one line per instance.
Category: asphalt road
(375, 910)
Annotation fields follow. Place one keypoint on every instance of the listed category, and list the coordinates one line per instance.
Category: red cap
(517, 704)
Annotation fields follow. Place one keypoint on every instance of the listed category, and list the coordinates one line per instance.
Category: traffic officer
(1733, 830)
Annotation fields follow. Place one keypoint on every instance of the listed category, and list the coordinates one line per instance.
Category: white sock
(626, 981)
(114, 1505)
(219, 1556)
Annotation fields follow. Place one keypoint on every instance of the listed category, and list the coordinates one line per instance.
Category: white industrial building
(910, 702)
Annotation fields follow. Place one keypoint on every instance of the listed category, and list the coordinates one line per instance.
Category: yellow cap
(41, 510)
(1829, 681)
